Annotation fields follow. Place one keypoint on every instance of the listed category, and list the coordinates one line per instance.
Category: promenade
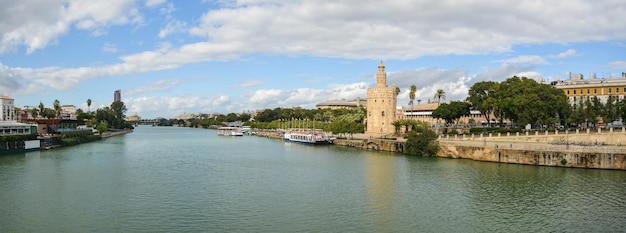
(585, 141)
(115, 133)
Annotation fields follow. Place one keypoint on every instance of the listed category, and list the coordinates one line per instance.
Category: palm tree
(41, 108)
(440, 94)
(412, 95)
(89, 105)
(397, 91)
(57, 107)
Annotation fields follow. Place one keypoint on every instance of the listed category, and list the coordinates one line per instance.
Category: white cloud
(616, 65)
(251, 83)
(347, 29)
(528, 59)
(304, 97)
(157, 86)
(153, 3)
(168, 107)
(172, 27)
(566, 54)
(363, 29)
(109, 48)
(502, 72)
(36, 24)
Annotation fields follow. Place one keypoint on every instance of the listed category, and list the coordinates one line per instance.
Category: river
(167, 179)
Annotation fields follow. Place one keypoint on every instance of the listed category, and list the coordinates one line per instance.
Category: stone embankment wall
(372, 144)
(269, 134)
(115, 133)
(531, 149)
(607, 136)
(604, 158)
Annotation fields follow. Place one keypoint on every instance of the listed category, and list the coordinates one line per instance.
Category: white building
(68, 112)
(8, 121)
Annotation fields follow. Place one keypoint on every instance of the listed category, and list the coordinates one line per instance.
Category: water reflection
(381, 188)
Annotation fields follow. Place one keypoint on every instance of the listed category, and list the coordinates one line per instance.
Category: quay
(109, 134)
(602, 149)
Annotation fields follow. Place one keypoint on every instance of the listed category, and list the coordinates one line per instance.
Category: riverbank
(116, 133)
(525, 149)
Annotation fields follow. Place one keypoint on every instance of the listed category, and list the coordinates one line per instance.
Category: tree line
(113, 116)
(525, 101)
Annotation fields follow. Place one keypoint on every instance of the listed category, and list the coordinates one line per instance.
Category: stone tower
(381, 106)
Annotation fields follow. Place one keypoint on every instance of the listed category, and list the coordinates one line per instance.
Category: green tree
(48, 113)
(621, 109)
(89, 105)
(610, 111)
(397, 91)
(452, 111)
(118, 109)
(346, 127)
(482, 96)
(525, 101)
(102, 127)
(421, 141)
(34, 113)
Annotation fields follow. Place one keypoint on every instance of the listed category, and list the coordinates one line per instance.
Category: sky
(174, 57)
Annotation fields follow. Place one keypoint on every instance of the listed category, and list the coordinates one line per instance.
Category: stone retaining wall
(565, 158)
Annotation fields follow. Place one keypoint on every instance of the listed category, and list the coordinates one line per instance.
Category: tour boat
(229, 131)
(313, 137)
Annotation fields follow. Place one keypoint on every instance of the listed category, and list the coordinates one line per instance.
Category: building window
(574, 92)
(568, 92)
(587, 91)
(610, 90)
(595, 91)
(383, 113)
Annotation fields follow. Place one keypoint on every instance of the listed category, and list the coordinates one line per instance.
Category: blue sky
(222, 56)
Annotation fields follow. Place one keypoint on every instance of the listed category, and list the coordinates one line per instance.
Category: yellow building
(577, 88)
(134, 118)
(339, 104)
(381, 106)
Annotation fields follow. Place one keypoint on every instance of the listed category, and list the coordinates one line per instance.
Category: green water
(163, 179)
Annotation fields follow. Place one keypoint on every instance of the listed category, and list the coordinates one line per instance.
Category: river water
(164, 179)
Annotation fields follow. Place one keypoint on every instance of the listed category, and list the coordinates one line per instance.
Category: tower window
(383, 113)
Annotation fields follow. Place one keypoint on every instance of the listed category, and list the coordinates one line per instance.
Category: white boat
(229, 131)
(307, 136)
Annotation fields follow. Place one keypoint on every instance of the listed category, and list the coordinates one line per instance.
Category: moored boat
(229, 131)
(306, 136)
